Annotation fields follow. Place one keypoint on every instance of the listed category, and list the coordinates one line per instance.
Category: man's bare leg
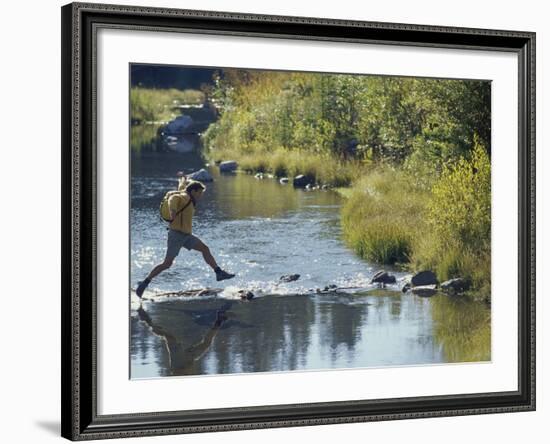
(206, 254)
(167, 263)
(209, 259)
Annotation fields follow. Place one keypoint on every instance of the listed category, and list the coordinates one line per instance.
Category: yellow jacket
(183, 221)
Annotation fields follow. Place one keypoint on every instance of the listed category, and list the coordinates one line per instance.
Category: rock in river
(383, 277)
(283, 180)
(179, 125)
(456, 285)
(228, 166)
(289, 277)
(201, 175)
(424, 278)
(302, 181)
(328, 288)
(246, 295)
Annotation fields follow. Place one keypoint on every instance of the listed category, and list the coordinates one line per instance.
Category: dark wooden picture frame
(80, 419)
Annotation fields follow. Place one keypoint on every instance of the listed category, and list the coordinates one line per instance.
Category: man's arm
(182, 181)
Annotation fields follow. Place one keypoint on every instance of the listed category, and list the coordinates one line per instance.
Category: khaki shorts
(178, 239)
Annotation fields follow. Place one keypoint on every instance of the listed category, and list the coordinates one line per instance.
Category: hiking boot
(142, 286)
(221, 275)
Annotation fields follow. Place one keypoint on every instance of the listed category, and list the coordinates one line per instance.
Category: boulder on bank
(383, 277)
(201, 175)
(424, 278)
(455, 286)
(302, 181)
(228, 166)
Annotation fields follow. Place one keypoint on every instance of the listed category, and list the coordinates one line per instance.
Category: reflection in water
(462, 328)
(144, 137)
(182, 359)
(262, 230)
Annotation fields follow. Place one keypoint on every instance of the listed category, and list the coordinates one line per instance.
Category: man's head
(195, 189)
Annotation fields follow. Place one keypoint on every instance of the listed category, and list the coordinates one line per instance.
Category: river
(261, 230)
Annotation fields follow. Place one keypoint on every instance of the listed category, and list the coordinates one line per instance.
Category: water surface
(261, 230)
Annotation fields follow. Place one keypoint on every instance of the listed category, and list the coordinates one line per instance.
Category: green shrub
(459, 219)
(460, 208)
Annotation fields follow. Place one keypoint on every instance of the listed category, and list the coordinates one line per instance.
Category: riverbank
(391, 217)
(321, 168)
(148, 105)
(441, 225)
(412, 154)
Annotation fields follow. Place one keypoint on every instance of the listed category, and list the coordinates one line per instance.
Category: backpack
(164, 209)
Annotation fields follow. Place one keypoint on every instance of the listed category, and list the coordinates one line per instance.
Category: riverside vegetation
(149, 105)
(411, 156)
(151, 108)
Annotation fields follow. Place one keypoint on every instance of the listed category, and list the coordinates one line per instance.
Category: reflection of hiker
(183, 359)
(182, 208)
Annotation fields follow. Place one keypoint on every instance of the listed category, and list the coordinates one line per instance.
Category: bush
(459, 217)
(460, 209)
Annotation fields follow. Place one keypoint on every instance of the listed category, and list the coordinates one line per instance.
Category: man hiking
(182, 208)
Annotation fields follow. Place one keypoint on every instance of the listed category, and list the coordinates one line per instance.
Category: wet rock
(201, 175)
(246, 295)
(228, 166)
(425, 291)
(455, 286)
(179, 125)
(330, 287)
(325, 187)
(312, 187)
(383, 277)
(289, 277)
(302, 181)
(259, 176)
(424, 278)
(283, 180)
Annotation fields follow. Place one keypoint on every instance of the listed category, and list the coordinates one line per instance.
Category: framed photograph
(274, 221)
